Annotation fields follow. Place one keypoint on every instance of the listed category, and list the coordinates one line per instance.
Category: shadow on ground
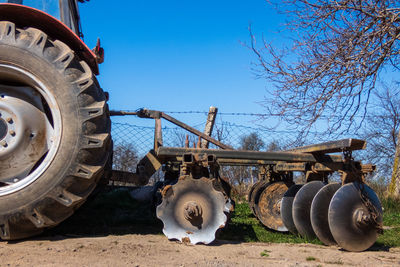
(111, 212)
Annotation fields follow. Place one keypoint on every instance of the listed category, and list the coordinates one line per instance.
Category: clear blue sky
(180, 55)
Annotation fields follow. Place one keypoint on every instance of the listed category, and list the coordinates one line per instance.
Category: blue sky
(180, 55)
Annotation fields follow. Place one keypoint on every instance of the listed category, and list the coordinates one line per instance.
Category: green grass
(391, 218)
(244, 226)
(337, 262)
(265, 253)
(311, 258)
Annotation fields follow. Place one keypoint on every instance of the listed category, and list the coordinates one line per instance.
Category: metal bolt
(12, 132)
(9, 120)
(3, 143)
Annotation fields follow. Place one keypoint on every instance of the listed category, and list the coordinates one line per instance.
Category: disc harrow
(194, 200)
(347, 214)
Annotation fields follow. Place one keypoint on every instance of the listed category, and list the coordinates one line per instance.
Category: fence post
(212, 114)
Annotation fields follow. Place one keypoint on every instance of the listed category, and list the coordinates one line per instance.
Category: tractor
(56, 145)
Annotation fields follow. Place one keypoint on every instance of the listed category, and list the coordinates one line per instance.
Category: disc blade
(301, 208)
(348, 215)
(268, 206)
(256, 195)
(192, 210)
(286, 207)
(319, 213)
(250, 196)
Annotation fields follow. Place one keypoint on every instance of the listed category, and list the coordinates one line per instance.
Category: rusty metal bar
(332, 147)
(155, 114)
(194, 131)
(165, 152)
(122, 113)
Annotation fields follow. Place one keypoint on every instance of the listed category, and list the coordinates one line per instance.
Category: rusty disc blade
(348, 217)
(269, 206)
(301, 208)
(255, 196)
(287, 205)
(250, 195)
(192, 210)
(319, 213)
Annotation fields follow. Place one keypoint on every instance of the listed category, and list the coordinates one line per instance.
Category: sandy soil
(156, 250)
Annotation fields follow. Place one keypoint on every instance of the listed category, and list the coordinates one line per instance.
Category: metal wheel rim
(53, 139)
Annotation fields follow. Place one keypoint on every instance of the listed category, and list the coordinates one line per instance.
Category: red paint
(24, 16)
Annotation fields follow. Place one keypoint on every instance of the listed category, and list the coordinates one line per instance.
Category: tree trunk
(394, 187)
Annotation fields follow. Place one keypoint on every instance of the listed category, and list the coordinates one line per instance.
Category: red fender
(24, 16)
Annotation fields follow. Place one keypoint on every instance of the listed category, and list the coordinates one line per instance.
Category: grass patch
(337, 262)
(390, 238)
(265, 253)
(244, 226)
(311, 258)
(391, 218)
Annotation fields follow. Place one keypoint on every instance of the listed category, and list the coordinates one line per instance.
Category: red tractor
(54, 123)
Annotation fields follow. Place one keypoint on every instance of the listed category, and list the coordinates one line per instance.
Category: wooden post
(212, 114)
(158, 141)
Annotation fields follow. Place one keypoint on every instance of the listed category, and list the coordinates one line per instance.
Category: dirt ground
(156, 250)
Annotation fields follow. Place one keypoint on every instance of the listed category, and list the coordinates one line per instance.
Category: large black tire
(83, 147)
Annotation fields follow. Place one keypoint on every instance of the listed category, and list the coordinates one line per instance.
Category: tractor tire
(57, 112)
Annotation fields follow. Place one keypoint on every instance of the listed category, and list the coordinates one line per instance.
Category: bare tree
(381, 130)
(125, 158)
(339, 52)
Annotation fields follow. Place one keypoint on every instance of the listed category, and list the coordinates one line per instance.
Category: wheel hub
(192, 211)
(30, 128)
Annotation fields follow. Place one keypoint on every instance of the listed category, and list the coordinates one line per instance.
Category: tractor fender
(24, 16)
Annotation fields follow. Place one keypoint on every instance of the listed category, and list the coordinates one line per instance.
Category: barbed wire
(261, 115)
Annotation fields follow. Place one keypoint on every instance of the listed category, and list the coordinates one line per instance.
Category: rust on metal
(147, 166)
(165, 152)
(195, 131)
(186, 240)
(333, 146)
(165, 190)
(268, 208)
(284, 166)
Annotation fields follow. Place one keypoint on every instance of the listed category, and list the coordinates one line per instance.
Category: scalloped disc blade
(349, 217)
(286, 207)
(319, 213)
(192, 210)
(301, 208)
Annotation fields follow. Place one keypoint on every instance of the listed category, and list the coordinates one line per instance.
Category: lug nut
(3, 143)
(9, 120)
(12, 133)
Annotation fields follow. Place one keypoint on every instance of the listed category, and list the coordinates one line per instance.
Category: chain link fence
(141, 138)
(132, 142)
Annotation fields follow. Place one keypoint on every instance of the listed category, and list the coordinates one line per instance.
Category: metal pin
(3, 143)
